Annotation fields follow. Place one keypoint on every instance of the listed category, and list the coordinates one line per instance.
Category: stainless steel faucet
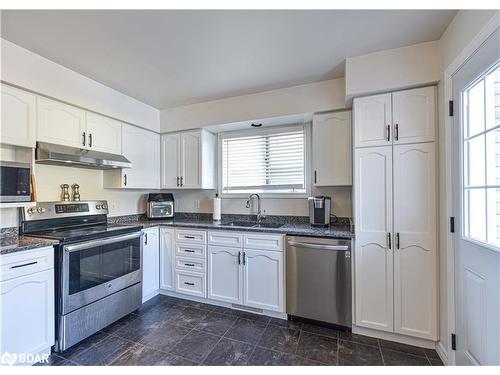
(260, 216)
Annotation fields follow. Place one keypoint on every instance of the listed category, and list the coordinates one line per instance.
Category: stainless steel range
(98, 269)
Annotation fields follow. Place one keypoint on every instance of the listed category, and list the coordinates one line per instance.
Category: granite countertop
(294, 226)
(12, 243)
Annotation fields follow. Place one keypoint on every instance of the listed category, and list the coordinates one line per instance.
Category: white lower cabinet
(225, 274)
(27, 304)
(167, 257)
(192, 283)
(150, 263)
(263, 279)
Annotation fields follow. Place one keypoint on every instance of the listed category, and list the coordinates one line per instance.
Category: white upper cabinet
(373, 215)
(415, 284)
(332, 149)
(372, 115)
(18, 117)
(225, 277)
(104, 134)
(60, 123)
(414, 115)
(170, 160)
(142, 148)
(188, 160)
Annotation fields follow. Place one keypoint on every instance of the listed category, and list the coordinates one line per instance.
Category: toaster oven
(160, 206)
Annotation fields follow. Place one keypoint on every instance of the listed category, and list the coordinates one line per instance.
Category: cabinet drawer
(26, 262)
(190, 236)
(190, 250)
(263, 242)
(190, 283)
(190, 264)
(225, 239)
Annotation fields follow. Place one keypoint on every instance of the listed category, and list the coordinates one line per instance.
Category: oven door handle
(101, 242)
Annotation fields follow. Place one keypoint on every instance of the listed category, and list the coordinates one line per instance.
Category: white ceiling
(169, 57)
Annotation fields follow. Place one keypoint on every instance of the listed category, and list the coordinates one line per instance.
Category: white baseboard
(415, 341)
(442, 353)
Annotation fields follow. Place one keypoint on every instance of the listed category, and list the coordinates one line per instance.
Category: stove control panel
(52, 210)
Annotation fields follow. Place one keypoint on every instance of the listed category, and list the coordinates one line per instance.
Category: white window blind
(264, 162)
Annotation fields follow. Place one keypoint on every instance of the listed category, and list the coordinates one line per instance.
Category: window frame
(267, 131)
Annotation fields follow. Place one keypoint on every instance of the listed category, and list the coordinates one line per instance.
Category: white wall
(394, 69)
(459, 33)
(341, 203)
(31, 71)
(309, 98)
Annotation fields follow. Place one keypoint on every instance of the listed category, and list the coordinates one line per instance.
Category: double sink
(252, 224)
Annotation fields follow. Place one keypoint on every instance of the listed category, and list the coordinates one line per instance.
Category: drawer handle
(189, 264)
(188, 251)
(190, 237)
(24, 265)
(190, 284)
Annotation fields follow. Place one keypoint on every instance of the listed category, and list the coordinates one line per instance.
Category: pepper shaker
(76, 192)
(65, 192)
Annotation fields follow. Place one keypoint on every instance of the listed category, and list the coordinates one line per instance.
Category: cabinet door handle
(90, 139)
(244, 258)
(397, 240)
(178, 180)
(189, 264)
(83, 138)
(182, 183)
(124, 180)
(396, 132)
(188, 251)
(24, 265)
(189, 237)
(389, 240)
(145, 238)
(190, 284)
(388, 133)
(239, 257)
(315, 177)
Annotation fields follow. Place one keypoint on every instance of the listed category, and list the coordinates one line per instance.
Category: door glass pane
(492, 81)
(494, 216)
(475, 109)
(94, 266)
(475, 213)
(493, 157)
(474, 173)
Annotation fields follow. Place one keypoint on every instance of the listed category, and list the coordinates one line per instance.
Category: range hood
(48, 153)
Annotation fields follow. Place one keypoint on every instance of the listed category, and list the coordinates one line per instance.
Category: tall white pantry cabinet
(395, 212)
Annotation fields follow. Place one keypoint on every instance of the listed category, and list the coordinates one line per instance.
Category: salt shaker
(65, 192)
(76, 192)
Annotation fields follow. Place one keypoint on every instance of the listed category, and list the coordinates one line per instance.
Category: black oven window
(98, 265)
(15, 181)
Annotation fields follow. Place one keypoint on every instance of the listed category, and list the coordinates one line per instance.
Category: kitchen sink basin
(252, 224)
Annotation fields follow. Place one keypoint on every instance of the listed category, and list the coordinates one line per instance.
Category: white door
(142, 148)
(18, 117)
(332, 149)
(373, 223)
(191, 159)
(27, 313)
(170, 160)
(476, 88)
(61, 124)
(372, 115)
(224, 274)
(414, 115)
(167, 258)
(263, 279)
(415, 273)
(150, 264)
(104, 134)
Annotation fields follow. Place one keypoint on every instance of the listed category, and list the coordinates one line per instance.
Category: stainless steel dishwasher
(318, 280)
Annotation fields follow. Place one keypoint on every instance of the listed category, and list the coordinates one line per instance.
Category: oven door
(95, 269)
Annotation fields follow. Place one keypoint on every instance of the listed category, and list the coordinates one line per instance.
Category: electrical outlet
(196, 204)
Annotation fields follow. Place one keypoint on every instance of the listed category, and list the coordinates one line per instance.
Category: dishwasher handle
(318, 246)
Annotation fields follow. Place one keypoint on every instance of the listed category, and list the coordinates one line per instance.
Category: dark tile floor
(171, 331)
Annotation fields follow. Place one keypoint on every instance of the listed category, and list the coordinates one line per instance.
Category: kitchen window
(269, 160)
